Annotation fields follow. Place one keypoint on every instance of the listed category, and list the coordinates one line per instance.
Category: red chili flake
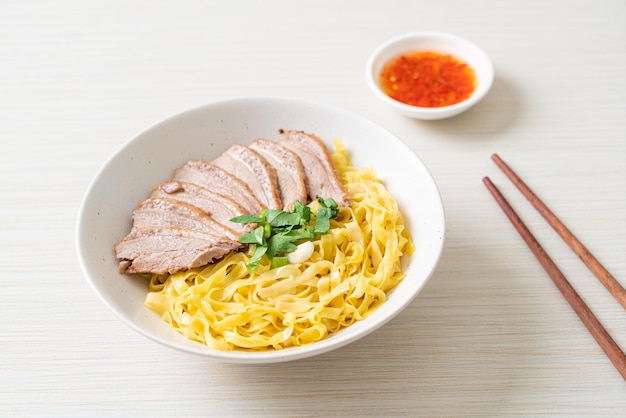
(427, 79)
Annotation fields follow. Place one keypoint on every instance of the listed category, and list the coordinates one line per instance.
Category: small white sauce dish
(440, 42)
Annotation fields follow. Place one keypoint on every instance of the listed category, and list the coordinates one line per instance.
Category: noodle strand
(346, 279)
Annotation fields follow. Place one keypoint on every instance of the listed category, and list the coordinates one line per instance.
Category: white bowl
(440, 42)
(205, 132)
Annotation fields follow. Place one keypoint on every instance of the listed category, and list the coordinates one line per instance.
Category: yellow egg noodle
(225, 307)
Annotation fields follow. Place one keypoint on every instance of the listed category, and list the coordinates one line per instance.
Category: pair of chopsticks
(612, 350)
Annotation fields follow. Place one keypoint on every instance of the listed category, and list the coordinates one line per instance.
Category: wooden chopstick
(610, 347)
(606, 278)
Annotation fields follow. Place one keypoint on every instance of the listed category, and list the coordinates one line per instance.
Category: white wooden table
(490, 335)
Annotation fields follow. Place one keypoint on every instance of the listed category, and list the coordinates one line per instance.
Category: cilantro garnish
(278, 231)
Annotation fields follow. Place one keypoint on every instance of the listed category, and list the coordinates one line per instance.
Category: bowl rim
(479, 93)
(269, 356)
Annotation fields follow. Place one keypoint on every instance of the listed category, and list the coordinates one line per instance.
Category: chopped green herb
(324, 214)
(259, 252)
(330, 204)
(279, 218)
(302, 234)
(302, 210)
(278, 231)
(279, 262)
(256, 236)
(247, 219)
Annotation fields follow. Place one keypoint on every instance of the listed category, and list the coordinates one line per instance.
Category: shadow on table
(474, 342)
(457, 347)
(495, 114)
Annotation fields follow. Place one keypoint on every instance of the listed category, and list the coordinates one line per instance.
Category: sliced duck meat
(219, 181)
(169, 212)
(186, 221)
(221, 208)
(321, 175)
(289, 171)
(171, 186)
(163, 250)
(247, 165)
